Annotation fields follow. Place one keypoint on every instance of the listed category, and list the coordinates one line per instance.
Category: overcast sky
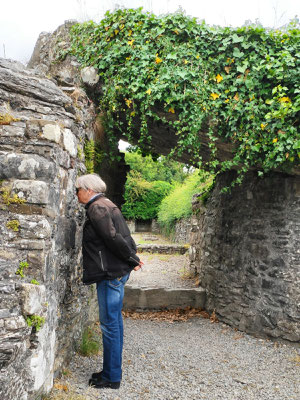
(21, 21)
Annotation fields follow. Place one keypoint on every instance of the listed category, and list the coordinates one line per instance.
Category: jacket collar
(96, 197)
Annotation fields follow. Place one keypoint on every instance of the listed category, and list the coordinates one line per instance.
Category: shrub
(178, 204)
(143, 198)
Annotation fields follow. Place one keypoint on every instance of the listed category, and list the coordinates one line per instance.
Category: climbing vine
(238, 85)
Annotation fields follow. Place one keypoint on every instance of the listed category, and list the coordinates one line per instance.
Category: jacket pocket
(102, 265)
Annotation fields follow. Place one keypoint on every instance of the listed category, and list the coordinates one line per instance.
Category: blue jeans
(110, 298)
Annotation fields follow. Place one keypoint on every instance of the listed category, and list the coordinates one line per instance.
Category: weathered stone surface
(33, 191)
(33, 298)
(89, 76)
(38, 164)
(163, 249)
(23, 166)
(245, 247)
(138, 298)
(70, 142)
(52, 132)
(13, 130)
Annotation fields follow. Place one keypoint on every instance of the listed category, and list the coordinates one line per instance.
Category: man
(109, 255)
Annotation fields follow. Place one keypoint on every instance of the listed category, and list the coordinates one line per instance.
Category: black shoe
(97, 375)
(102, 384)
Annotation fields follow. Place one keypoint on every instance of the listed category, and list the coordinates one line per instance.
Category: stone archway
(245, 248)
(253, 230)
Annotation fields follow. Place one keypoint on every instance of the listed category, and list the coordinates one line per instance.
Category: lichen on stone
(6, 119)
(8, 199)
(13, 224)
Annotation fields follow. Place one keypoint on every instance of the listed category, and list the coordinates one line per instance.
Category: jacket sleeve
(103, 224)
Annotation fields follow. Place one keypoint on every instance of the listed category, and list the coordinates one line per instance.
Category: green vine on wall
(93, 155)
(238, 85)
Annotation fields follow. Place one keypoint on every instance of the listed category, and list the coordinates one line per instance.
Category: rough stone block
(32, 191)
(12, 131)
(159, 298)
(33, 298)
(89, 76)
(24, 166)
(14, 324)
(27, 244)
(70, 142)
(7, 288)
(34, 227)
(52, 132)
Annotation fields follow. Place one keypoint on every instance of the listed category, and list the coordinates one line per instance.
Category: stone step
(162, 248)
(145, 298)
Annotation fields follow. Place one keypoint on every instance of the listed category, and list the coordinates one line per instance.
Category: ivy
(238, 85)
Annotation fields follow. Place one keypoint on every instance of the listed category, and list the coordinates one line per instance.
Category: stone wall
(245, 247)
(42, 129)
(182, 230)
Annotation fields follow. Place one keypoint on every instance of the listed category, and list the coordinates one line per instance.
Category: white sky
(21, 21)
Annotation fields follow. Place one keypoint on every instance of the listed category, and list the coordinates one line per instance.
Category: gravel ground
(197, 360)
(192, 360)
(163, 270)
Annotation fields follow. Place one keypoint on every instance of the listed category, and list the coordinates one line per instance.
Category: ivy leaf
(242, 68)
(237, 53)
(237, 39)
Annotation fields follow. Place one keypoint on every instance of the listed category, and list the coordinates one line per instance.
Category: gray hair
(92, 182)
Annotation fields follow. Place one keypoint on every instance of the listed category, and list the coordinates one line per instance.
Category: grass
(90, 341)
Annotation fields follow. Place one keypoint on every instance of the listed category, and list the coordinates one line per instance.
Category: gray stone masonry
(245, 247)
(40, 225)
(159, 298)
(162, 248)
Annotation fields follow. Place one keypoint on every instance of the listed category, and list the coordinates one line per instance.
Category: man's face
(84, 195)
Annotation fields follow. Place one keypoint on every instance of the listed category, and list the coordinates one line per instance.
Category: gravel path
(192, 360)
(189, 360)
(163, 270)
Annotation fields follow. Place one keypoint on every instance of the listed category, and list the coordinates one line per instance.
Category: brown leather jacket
(108, 249)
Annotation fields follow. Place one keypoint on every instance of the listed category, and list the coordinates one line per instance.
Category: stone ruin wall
(245, 248)
(41, 153)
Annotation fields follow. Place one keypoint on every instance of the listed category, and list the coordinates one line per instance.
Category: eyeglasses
(77, 190)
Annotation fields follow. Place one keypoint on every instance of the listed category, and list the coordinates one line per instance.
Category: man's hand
(138, 266)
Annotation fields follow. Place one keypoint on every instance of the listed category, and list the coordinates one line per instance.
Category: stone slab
(140, 298)
(162, 249)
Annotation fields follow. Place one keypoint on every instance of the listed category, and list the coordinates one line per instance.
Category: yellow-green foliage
(35, 321)
(22, 266)
(13, 225)
(178, 204)
(79, 152)
(8, 199)
(34, 282)
(6, 119)
(89, 152)
(90, 342)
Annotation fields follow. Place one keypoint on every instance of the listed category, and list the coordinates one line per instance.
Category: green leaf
(242, 68)
(237, 53)
(237, 39)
